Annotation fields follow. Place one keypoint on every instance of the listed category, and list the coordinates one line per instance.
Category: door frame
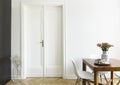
(22, 52)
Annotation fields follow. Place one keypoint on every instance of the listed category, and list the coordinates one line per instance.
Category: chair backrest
(75, 68)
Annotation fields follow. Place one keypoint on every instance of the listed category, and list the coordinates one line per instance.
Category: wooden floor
(42, 81)
(45, 81)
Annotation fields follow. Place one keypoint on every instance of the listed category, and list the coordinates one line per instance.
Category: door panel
(34, 37)
(43, 23)
(53, 41)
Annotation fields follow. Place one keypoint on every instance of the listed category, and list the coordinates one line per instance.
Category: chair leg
(76, 81)
(79, 80)
(109, 82)
(105, 78)
(118, 82)
(88, 82)
(101, 77)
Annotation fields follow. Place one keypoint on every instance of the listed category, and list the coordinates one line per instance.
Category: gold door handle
(42, 43)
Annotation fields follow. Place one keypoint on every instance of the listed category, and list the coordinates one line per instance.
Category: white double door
(43, 41)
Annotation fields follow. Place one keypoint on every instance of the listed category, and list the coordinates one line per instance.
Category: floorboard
(45, 81)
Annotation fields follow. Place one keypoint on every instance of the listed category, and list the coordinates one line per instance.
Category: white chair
(102, 74)
(83, 75)
(117, 74)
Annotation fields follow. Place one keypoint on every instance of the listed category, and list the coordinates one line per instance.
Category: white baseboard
(69, 77)
(13, 77)
(64, 76)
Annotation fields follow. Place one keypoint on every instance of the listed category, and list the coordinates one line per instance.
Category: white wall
(88, 22)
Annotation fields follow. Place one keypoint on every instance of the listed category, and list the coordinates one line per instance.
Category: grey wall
(5, 41)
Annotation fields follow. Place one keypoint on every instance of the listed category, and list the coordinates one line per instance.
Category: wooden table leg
(112, 77)
(95, 77)
(84, 69)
